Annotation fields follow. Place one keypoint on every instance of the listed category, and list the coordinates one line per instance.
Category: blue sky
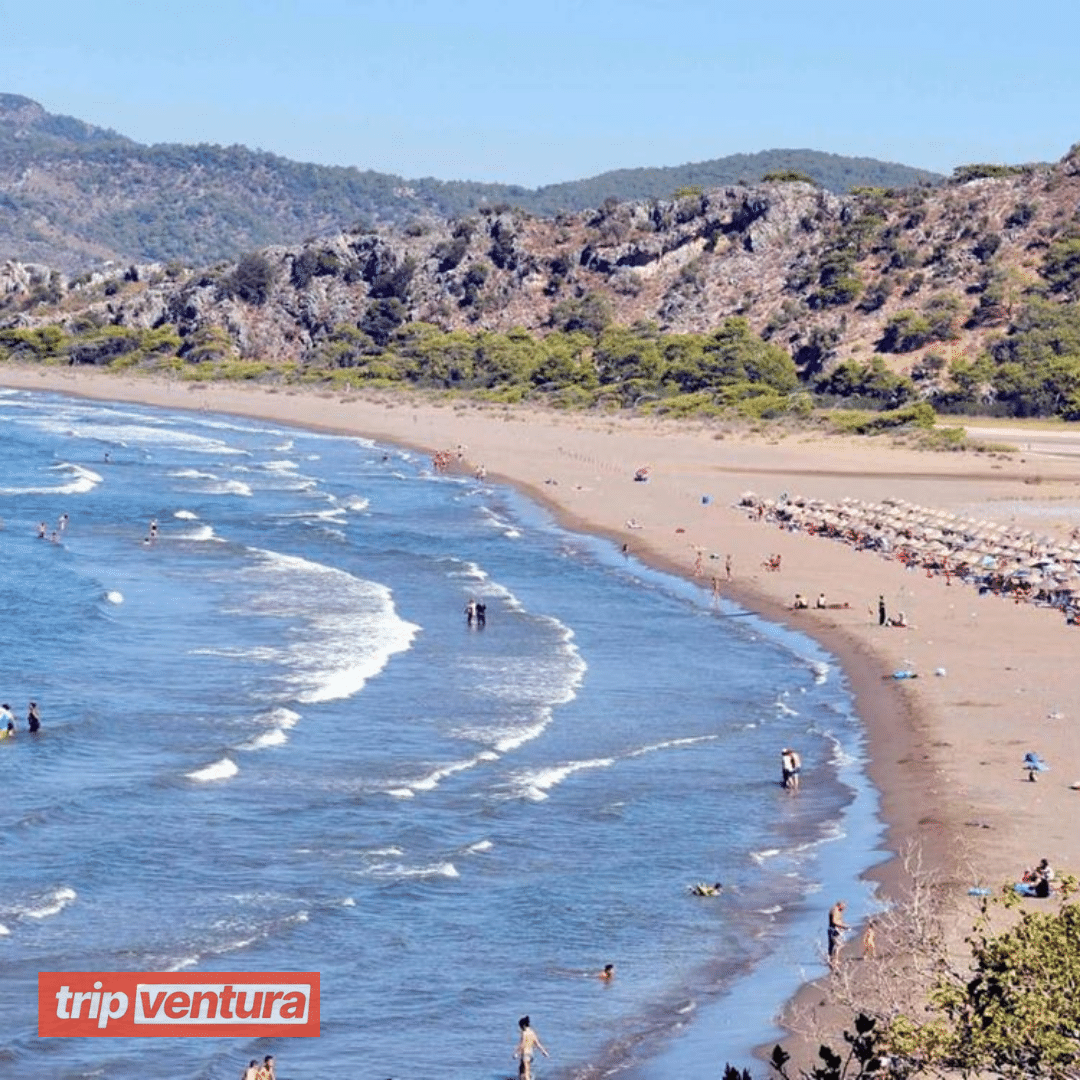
(538, 93)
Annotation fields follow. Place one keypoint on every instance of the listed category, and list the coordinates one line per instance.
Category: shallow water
(271, 742)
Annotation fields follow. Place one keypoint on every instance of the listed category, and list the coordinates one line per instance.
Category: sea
(271, 742)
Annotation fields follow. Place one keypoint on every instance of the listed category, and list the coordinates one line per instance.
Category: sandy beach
(945, 750)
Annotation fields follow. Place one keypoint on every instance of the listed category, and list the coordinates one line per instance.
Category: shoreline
(944, 753)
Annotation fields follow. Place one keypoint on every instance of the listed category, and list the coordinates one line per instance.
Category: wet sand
(945, 751)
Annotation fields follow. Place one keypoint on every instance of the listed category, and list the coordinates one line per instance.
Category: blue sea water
(271, 742)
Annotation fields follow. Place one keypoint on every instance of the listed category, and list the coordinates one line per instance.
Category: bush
(252, 279)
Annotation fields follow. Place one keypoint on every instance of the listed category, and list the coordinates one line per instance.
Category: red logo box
(203, 1004)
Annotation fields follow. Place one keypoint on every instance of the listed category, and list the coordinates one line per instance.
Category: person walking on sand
(527, 1043)
(727, 566)
(869, 941)
(881, 616)
(836, 929)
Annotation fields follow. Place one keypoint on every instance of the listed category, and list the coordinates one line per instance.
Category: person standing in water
(837, 926)
(527, 1043)
(33, 720)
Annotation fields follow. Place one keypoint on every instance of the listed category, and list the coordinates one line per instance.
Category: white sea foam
(397, 870)
(219, 770)
(760, 856)
(383, 852)
(80, 480)
(114, 597)
(356, 503)
(208, 483)
(227, 487)
(51, 903)
(142, 434)
(278, 724)
(496, 522)
(193, 474)
(200, 534)
(336, 515)
(820, 670)
(346, 627)
(480, 845)
(276, 737)
(401, 793)
(280, 466)
(534, 784)
(436, 776)
(530, 686)
(671, 744)
(186, 962)
(186, 515)
(784, 708)
(3, 930)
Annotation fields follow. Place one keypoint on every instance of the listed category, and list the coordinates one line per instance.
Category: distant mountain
(73, 195)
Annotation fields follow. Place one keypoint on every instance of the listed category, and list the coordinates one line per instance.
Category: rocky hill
(917, 283)
(74, 196)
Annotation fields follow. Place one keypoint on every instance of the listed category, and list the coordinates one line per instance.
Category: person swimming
(704, 889)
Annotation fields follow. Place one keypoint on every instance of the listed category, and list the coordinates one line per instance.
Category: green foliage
(919, 415)
(590, 313)
(252, 279)
(38, 344)
(199, 204)
(1061, 267)
(310, 264)
(963, 174)
(871, 380)
(909, 330)
(839, 284)
(1017, 1014)
(788, 176)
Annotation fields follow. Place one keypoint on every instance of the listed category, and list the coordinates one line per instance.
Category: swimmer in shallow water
(704, 889)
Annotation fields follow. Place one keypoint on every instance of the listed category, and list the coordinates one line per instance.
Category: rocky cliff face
(818, 273)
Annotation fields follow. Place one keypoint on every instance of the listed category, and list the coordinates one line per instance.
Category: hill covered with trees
(73, 195)
(765, 298)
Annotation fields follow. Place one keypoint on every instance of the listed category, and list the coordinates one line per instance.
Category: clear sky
(500, 90)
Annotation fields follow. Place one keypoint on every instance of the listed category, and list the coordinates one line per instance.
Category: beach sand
(945, 751)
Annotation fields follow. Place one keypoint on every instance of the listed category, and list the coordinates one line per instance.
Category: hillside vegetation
(73, 195)
(765, 298)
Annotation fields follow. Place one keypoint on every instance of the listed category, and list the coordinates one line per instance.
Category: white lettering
(283, 1003)
(113, 1006)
